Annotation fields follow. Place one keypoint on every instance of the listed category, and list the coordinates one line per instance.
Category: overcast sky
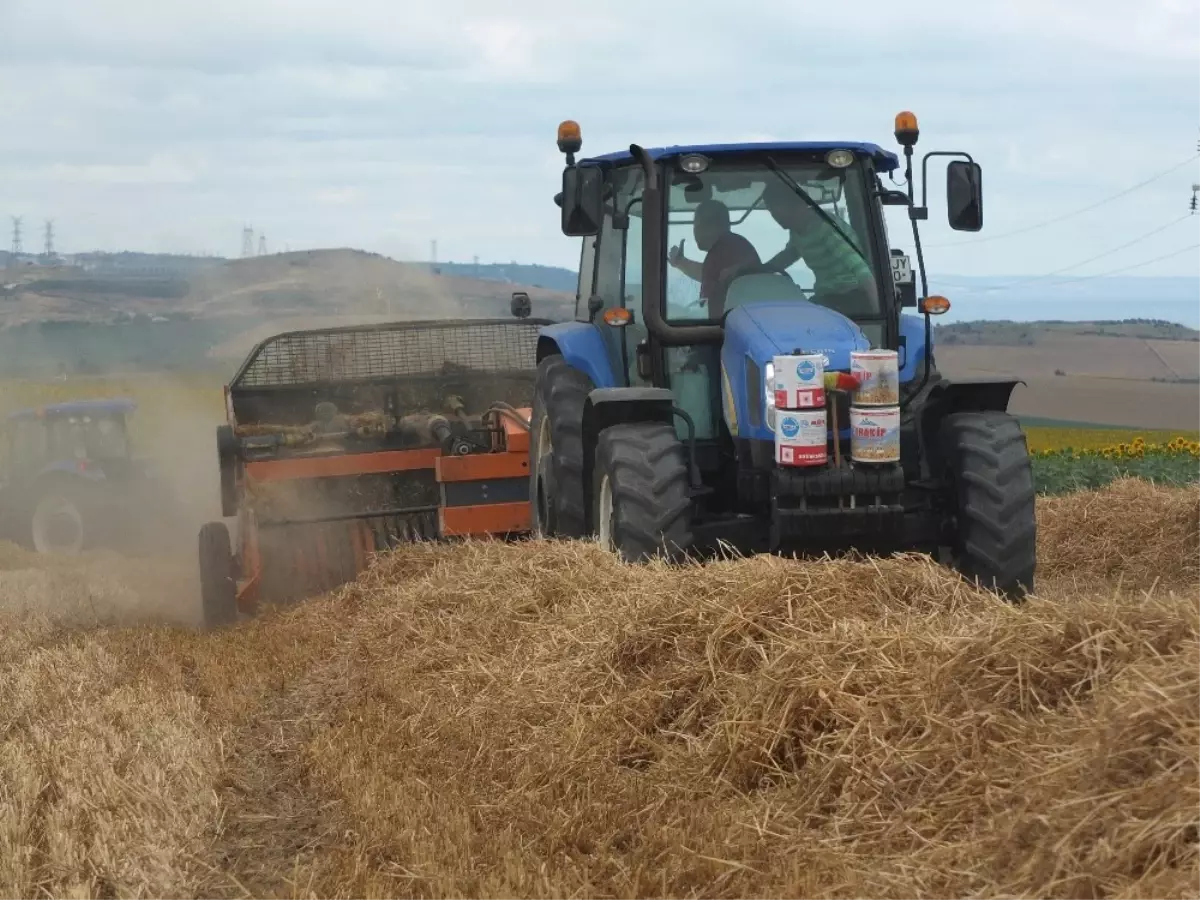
(165, 125)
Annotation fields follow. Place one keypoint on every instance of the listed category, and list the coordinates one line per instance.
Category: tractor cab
(78, 436)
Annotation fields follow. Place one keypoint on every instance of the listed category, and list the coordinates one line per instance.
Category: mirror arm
(925, 170)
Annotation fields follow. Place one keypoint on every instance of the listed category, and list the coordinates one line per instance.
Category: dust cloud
(140, 566)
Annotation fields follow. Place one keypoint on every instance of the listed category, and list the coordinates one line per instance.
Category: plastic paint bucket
(801, 438)
(799, 382)
(879, 376)
(875, 435)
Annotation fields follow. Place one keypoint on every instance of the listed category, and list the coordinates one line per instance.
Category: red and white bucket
(875, 435)
(799, 382)
(801, 437)
(878, 374)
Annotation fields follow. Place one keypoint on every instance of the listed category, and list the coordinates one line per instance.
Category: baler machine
(344, 441)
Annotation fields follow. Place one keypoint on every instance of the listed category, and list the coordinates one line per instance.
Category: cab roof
(885, 160)
(100, 407)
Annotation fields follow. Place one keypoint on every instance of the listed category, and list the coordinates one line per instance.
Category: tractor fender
(947, 397)
(608, 406)
(581, 347)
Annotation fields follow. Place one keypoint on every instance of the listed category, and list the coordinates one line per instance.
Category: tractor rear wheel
(991, 500)
(556, 488)
(640, 492)
(218, 586)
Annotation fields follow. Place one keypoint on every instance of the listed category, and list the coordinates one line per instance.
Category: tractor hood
(794, 326)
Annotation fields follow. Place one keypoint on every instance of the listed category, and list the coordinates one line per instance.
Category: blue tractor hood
(758, 331)
(766, 329)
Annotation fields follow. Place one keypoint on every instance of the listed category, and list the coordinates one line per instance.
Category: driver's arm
(787, 257)
(692, 268)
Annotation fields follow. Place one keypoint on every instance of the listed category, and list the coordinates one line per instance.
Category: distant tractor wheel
(58, 525)
(640, 503)
(991, 500)
(218, 587)
(556, 485)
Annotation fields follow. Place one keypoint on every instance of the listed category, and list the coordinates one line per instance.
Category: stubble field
(539, 720)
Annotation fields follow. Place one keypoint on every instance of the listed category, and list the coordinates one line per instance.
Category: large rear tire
(992, 501)
(556, 488)
(60, 524)
(218, 586)
(640, 501)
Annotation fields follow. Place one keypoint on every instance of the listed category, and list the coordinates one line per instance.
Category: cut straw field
(540, 720)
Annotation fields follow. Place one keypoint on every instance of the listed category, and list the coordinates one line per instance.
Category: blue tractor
(653, 425)
(71, 483)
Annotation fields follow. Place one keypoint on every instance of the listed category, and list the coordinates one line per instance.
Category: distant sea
(1169, 299)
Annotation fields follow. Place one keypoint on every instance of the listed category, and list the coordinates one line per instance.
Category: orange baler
(342, 442)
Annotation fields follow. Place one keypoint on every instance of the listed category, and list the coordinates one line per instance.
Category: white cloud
(383, 125)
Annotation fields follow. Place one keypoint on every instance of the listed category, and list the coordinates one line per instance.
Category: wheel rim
(604, 511)
(57, 527)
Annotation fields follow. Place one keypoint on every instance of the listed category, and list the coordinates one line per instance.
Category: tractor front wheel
(218, 585)
(640, 501)
(991, 501)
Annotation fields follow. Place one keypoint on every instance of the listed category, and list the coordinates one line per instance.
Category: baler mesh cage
(380, 352)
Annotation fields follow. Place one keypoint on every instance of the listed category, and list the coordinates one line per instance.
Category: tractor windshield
(88, 437)
(769, 229)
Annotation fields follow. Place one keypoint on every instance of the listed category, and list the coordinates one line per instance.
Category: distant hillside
(552, 278)
(148, 313)
(1024, 334)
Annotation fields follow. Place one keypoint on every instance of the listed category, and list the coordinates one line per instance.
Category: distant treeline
(552, 278)
(143, 288)
(1010, 333)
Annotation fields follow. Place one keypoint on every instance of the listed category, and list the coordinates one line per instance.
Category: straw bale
(539, 719)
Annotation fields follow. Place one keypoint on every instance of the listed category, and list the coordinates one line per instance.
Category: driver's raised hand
(675, 254)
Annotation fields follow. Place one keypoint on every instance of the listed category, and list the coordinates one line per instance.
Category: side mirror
(520, 305)
(964, 195)
(582, 200)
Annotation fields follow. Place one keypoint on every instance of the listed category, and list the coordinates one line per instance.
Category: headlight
(769, 389)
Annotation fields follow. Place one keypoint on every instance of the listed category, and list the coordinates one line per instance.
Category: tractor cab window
(88, 437)
(743, 232)
(107, 439)
(27, 444)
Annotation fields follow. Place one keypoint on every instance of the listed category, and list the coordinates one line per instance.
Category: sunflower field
(1091, 463)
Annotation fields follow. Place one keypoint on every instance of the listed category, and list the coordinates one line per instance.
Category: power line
(1065, 216)
(1084, 262)
(1130, 268)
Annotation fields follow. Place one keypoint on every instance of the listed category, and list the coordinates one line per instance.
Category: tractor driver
(844, 280)
(724, 251)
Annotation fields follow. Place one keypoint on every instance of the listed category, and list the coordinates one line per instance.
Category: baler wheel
(218, 587)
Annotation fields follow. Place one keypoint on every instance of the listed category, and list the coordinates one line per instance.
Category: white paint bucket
(801, 438)
(875, 435)
(799, 382)
(878, 372)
